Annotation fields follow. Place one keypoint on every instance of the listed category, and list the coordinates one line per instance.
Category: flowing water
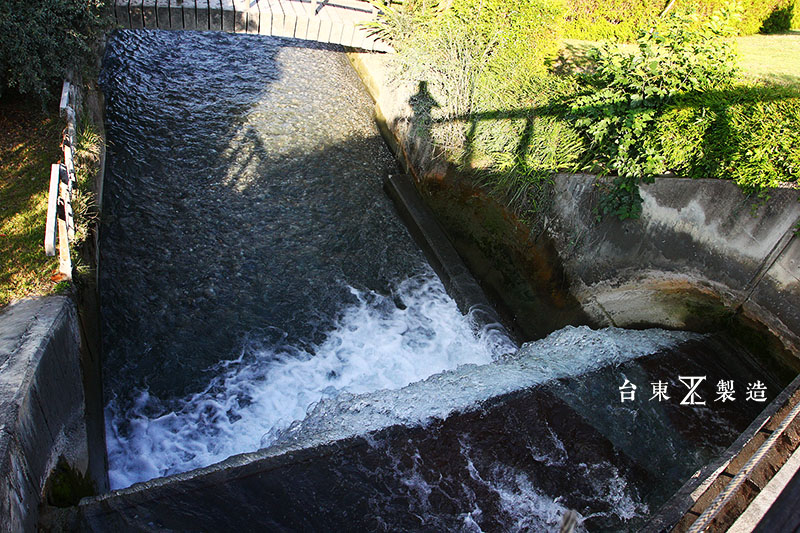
(251, 264)
(258, 292)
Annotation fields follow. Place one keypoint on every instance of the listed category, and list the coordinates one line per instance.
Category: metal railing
(318, 4)
(711, 512)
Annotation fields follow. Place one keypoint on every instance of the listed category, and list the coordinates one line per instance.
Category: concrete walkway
(332, 21)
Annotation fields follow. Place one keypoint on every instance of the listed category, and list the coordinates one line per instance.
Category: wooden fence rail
(60, 225)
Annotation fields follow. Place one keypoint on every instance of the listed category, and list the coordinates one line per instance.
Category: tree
(40, 41)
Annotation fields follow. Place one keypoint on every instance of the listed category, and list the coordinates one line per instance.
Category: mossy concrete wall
(701, 248)
(41, 403)
(701, 254)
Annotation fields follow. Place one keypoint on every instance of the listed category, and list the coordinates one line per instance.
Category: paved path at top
(330, 21)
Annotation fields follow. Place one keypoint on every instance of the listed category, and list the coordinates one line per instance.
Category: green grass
(29, 144)
(773, 58)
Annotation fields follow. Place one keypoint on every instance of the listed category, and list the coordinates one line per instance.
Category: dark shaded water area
(223, 154)
(258, 291)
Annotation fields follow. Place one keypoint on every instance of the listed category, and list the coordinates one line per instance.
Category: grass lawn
(29, 144)
(771, 57)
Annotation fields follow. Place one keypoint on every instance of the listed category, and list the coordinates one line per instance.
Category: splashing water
(379, 343)
(568, 352)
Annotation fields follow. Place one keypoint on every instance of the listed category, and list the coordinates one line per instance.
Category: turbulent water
(378, 343)
(251, 264)
(259, 293)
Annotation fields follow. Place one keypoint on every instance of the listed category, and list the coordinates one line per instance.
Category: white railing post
(52, 210)
(65, 90)
(65, 197)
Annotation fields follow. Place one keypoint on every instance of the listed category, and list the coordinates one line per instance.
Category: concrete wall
(41, 403)
(699, 245)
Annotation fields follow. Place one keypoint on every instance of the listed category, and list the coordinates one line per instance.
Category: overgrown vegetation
(474, 55)
(747, 133)
(672, 101)
(87, 165)
(621, 20)
(41, 41)
(631, 90)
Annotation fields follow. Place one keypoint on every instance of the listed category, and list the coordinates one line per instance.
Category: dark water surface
(259, 292)
(224, 154)
(251, 263)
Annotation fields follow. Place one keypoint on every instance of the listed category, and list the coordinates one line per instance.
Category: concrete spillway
(445, 427)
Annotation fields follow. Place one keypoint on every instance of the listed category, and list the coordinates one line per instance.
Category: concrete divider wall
(41, 403)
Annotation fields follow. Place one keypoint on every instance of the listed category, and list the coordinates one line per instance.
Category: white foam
(382, 364)
(375, 345)
(571, 351)
(527, 508)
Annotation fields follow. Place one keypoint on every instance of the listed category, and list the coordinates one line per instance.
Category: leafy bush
(40, 41)
(750, 134)
(780, 20)
(631, 90)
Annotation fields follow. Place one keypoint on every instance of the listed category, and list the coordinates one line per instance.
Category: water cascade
(258, 292)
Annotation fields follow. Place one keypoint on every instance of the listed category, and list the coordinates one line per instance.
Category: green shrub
(750, 134)
(631, 90)
(780, 20)
(40, 41)
(614, 20)
(620, 20)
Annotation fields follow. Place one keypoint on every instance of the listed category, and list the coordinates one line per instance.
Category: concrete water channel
(279, 354)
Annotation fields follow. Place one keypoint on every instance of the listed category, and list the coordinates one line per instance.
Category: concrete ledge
(460, 284)
(41, 403)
